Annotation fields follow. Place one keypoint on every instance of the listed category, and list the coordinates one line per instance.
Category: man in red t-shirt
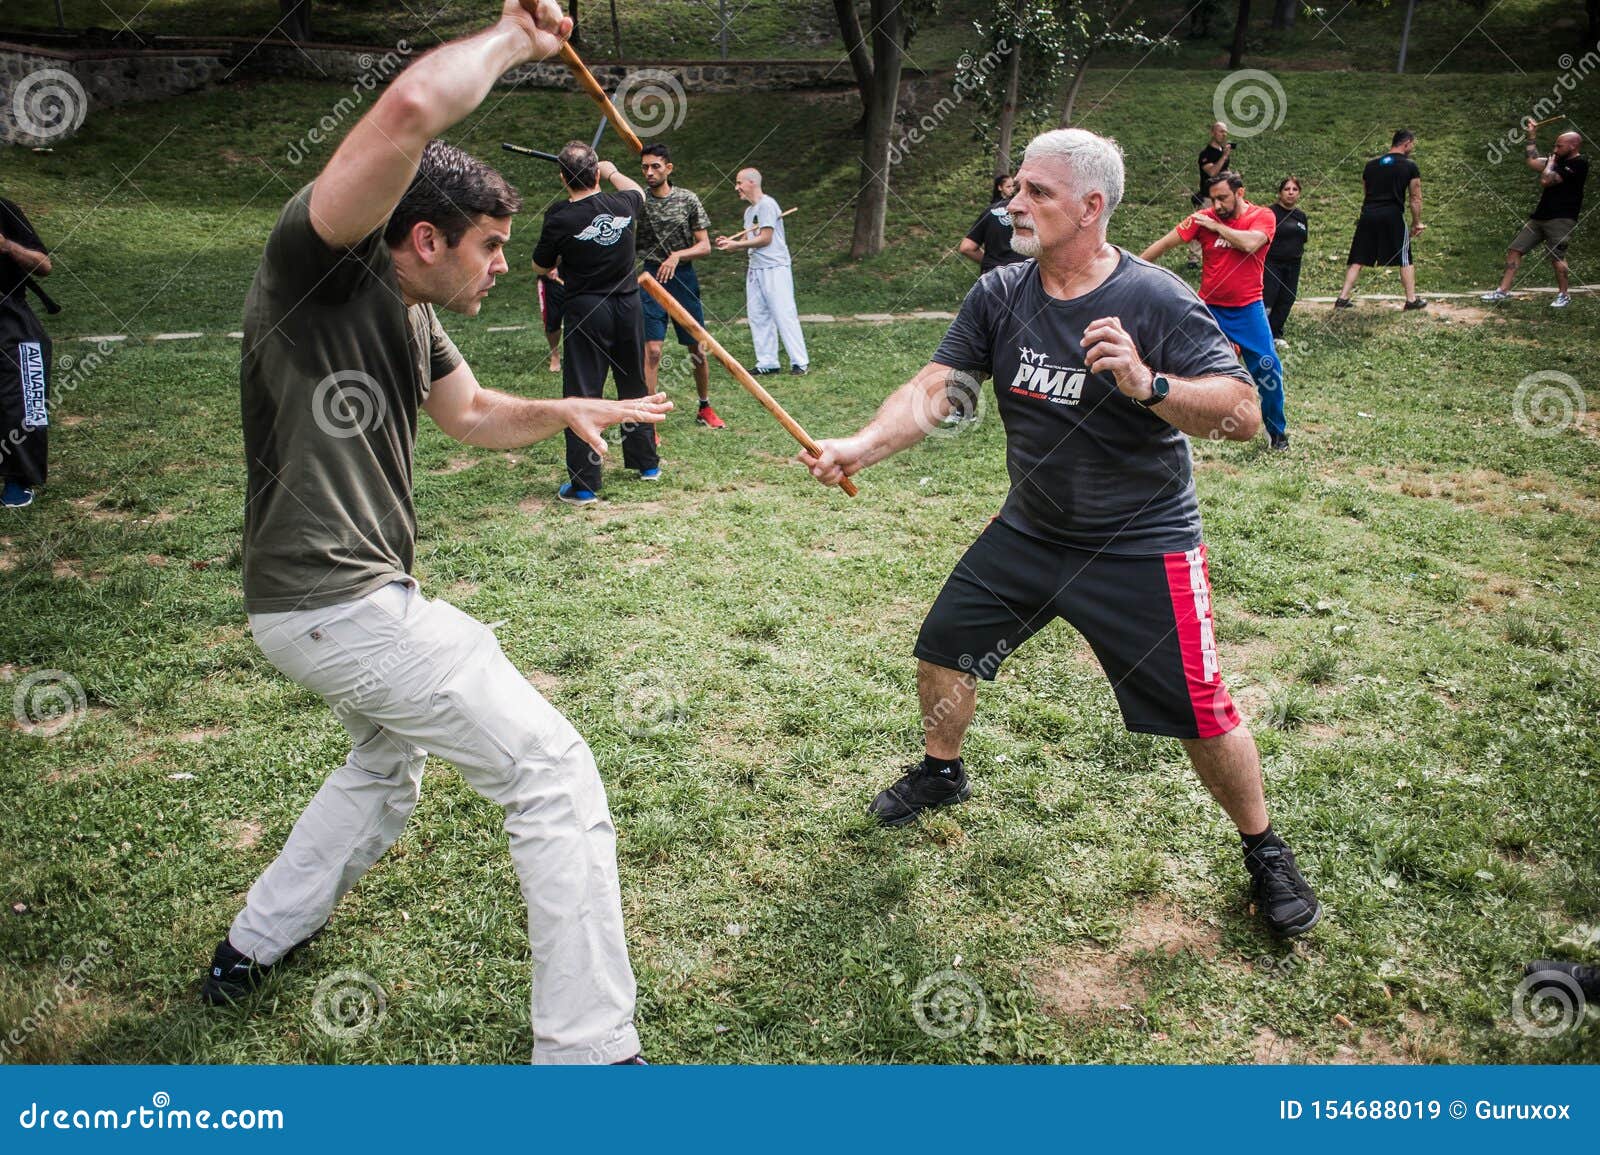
(1232, 262)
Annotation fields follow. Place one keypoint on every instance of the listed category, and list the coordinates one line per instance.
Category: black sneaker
(1282, 895)
(233, 977)
(799, 370)
(920, 789)
(1560, 973)
(1343, 303)
(1414, 304)
(767, 372)
(1277, 441)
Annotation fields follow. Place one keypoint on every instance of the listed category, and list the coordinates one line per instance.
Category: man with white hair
(1102, 363)
(768, 286)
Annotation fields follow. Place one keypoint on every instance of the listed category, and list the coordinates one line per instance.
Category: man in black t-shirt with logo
(592, 237)
(24, 361)
(1561, 175)
(1102, 363)
(1392, 181)
(989, 240)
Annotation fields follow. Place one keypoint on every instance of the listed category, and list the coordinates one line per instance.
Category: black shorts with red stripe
(552, 303)
(1147, 618)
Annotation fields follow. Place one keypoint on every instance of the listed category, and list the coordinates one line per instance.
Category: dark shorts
(1381, 239)
(1147, 618)
(685, 289)
(1554, 234)
(552, 303)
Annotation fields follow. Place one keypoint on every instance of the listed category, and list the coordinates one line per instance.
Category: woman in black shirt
(1281, 279)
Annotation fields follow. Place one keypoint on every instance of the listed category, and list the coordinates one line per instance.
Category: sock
(705, 403)
(941, 767)
(1254, 842)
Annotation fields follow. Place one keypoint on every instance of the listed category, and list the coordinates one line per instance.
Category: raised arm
(1171, 241)
(375, 164)
(34, 262)
(618, 181)
(1218, 407)
(474, 415)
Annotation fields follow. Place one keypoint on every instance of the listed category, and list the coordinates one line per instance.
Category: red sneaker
(708, 417)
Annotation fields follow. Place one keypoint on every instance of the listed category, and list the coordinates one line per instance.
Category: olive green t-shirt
(333, 369)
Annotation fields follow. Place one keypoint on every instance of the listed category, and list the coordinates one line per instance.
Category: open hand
(589, 418)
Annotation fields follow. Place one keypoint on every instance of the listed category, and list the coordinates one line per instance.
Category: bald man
(1561, 175)
(768, 286)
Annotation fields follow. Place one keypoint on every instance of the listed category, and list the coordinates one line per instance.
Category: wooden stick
(740, 374)
(757, 228)
(518, 149)
(589, 84)
(1549, 120)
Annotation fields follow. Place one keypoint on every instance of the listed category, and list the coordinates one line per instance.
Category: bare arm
(33, 262)
(618, 181)
(374, 165)
(761, 239)
(1217, 166)
(1171, 241)
(474, 415)
(1549, 176)
(1416, 205)
(904, 419)
(1240, 239)
(971, 250)
(1211, 407)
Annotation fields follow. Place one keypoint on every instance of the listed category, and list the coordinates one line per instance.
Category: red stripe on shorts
(1189, 582)
(544, 308)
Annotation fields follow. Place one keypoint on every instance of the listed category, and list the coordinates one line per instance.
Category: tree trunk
(1240, 26)
(296, 19)
(1283, 14)
(1592, 10)
(1008, 112)
(1112, 25)
(616, 29)
(881, 99)
(577, 36)
(1405, 36)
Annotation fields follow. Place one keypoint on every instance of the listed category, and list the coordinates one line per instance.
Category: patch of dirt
(158, 560)
(1097, 983)
(457, 464)
(203, 734)
(644, 561)
(546, 683)
(8, 558)
(90, 506)
(65, 569)
(73, 420)
(242, 833)
(1483, 490)
(1267, 1046)
(1457, 311)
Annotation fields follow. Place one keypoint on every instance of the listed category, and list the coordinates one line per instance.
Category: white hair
(1095, 162)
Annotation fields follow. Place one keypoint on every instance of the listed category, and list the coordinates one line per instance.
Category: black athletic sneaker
(1277, 441)
(1587, 978)
(920, 789)
(1343, 303)
(232, 976)
(1282, 895)
(1413, 305)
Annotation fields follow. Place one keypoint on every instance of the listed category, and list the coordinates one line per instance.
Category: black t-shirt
(1564, 201)
(993, 231)
(593, 239)
(1289, 241)
(1388, 182)
(1210, 154)
(1090, 467)
(17, 319)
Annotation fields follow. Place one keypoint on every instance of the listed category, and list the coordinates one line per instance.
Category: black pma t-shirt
(1388, 182)
(17, 319)
(593, 239)
(1563, 201)
(1289, 239)
(993, 232)
(1090, 467)
(1210, 154)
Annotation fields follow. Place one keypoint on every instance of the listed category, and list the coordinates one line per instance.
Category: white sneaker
(1561, 301)
(1281, 342)
(1495, 295)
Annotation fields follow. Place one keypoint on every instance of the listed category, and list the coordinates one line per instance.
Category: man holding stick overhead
(1102, 363)
(769, 284)
(592, 237)
(1561, 177)
(672, 235)
(342, 347)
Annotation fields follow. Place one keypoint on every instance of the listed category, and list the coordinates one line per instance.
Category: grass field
(1407, 603)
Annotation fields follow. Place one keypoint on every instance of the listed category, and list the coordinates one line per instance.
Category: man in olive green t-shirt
(342, 347)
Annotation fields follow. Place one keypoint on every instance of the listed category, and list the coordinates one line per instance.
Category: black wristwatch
(1160, 387)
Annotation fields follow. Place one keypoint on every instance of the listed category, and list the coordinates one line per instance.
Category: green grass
(1407, 610)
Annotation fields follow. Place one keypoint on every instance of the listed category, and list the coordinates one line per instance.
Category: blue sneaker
(16, 495)
(574, 496)
(650, 474)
